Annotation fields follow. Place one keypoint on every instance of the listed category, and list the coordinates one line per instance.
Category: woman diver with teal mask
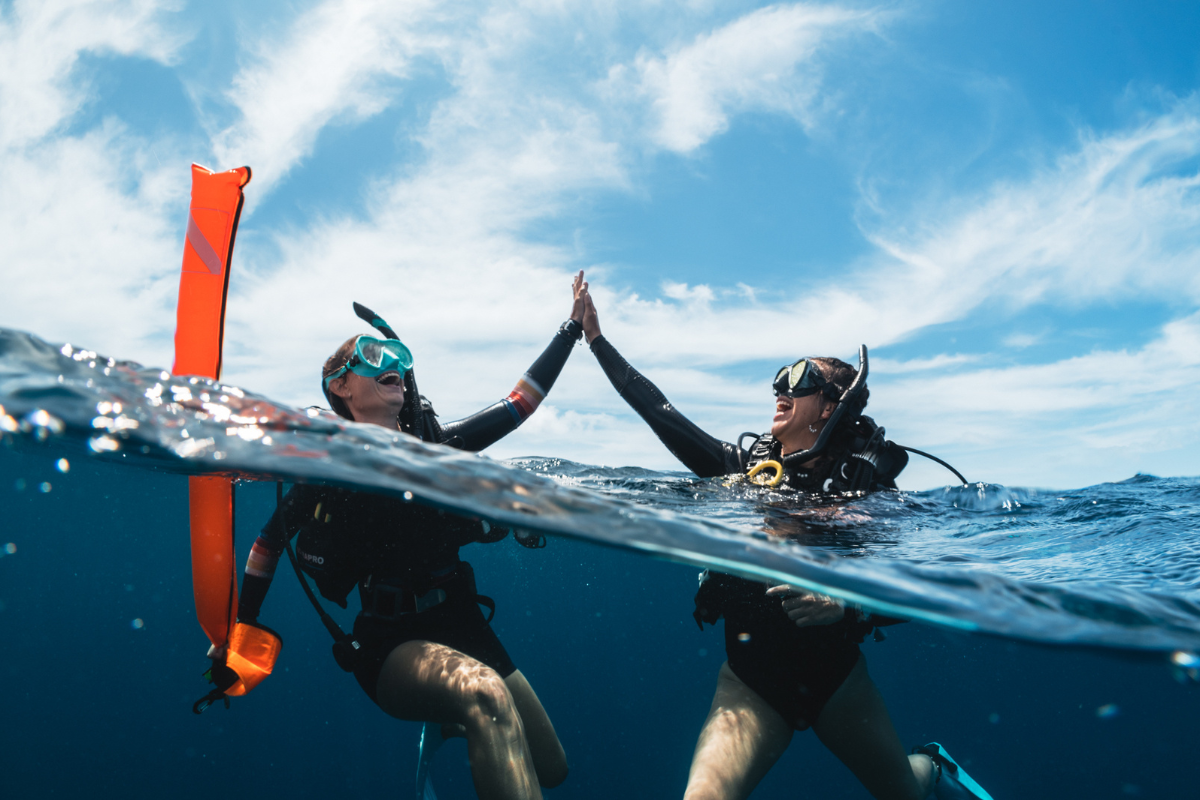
(421, 647)
(793, 658)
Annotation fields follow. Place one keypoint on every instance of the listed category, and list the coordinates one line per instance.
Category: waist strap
(387, 600)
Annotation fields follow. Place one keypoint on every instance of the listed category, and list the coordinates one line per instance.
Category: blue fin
(431, 740)
(954, 783)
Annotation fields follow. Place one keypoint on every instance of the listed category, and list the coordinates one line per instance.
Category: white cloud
(86, 227)
(1119, 215)
(340, 59)
(884, 366)
(1100, 416)
(533, 122)
(41, 41)
(763, 61)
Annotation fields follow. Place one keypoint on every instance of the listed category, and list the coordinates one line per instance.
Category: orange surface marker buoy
(199, 339)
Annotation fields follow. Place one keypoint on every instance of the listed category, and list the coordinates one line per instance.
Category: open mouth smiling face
(783, 404)
(391, 378)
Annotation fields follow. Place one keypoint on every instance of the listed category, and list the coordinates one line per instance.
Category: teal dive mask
(374, 357)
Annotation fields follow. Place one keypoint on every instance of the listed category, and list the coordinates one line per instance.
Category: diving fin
(431, 740)
(953, 782)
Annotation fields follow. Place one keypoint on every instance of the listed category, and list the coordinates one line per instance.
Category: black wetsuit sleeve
(703, 454)
(489, 426)
(298, 506)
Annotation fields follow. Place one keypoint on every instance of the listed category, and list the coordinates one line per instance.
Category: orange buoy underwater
(245, 653)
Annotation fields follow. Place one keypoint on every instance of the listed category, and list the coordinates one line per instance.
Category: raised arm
(488, 426)
(704, 455)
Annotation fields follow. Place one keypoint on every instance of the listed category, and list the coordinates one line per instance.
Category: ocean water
(1051, 648)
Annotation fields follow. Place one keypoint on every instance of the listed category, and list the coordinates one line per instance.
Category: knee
(555, 772)
(489, 704)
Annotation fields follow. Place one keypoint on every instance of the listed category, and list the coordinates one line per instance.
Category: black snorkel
(795, 460)
(375, 321)
(413, 417)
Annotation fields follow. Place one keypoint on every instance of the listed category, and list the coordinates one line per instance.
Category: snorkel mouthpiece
(852, 392)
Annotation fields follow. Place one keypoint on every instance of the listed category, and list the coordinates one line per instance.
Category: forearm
(260, 571)
(488, 426)
(703, 454)
(297, 505)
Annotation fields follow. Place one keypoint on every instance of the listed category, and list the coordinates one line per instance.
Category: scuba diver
(793, 658)
(421, 647)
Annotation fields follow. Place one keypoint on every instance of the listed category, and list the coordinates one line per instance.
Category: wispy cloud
(338, 60)
(1060, 423)
(544, 107)
(41, 41)
(1119, 215)
(509, 148)
(83, 234)
(763, 61)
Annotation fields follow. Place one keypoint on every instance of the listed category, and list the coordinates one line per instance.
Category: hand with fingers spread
(808, 608)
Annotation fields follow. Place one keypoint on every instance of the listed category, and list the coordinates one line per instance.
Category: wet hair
(332, 364)
(841, 375)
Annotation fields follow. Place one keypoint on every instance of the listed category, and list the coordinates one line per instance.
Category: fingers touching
(808, 608)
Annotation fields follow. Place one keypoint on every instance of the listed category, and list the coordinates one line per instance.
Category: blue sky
(1001, 199)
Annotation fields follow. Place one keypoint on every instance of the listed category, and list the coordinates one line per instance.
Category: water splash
(1113, 565)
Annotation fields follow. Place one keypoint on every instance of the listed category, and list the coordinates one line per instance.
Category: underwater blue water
(103, 653)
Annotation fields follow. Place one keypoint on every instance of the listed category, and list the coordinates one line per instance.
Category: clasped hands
(808, 608)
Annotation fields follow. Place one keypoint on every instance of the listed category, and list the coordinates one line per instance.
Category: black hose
(938, 460)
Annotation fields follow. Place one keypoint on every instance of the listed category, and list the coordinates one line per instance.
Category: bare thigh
(856, 727)
(549, 758)
(429, 682)
(741, 740)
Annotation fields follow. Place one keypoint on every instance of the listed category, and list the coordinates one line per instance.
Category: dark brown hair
(841, 375)
(339, 359)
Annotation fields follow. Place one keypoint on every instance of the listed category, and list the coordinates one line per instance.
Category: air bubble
(103, 444)
(10, 549)
(44, 487)
(62, 465)
(1108, 711)
(1183, 658)
(137, 624)
(743, 637)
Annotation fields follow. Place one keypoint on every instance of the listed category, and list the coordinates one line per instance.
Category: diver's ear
(827, 408)
(338, 386)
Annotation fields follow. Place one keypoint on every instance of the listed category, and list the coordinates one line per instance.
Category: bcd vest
(858, 459)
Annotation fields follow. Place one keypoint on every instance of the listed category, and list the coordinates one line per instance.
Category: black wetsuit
(796, 670)
(403, 556)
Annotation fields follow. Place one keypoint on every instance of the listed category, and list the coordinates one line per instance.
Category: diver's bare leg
(549, 758)
(856, 727)
(741, 740)
(430, 682)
